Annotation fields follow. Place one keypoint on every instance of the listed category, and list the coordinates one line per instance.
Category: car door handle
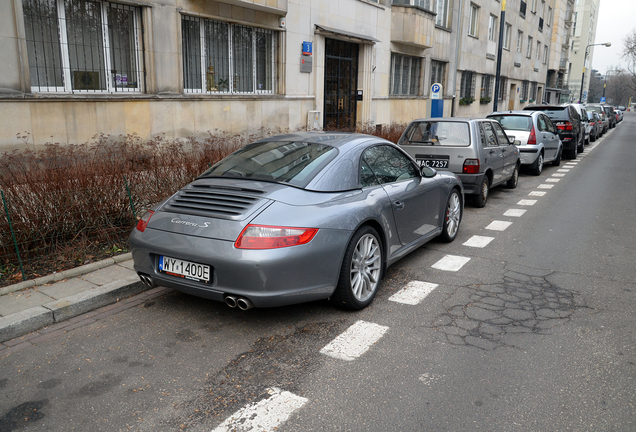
(492, 151)
(399, 205)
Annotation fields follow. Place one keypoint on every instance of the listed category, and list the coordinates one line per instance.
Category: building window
(506, 41)
(438, 73)
(519, 40)
(549, 18)
(467, 85)
(442, 13)
(405, 75)
(529, 47)
(492, 28)
(545, 54)
(219, 57)
(524, 90)
(424, 4)
(502, 88)
(522, 9)
(486, 86)
(538, 52)
(83, 46)
(473, 23)
(533, 8)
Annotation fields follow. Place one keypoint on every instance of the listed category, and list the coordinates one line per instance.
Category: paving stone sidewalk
(32, 305)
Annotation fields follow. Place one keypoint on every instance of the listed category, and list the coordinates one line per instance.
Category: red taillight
(471, 166)
(532, 139)
(564, 126)
(273, 237)
(143, 222)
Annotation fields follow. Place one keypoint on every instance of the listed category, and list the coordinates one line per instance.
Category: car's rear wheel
(361, 270)
(514, 180)
(574, 152)
(452, 218)
(482, 196)
(537, 167)
(557, 161)
(581, 146)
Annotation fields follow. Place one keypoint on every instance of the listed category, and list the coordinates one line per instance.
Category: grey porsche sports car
(295, 218)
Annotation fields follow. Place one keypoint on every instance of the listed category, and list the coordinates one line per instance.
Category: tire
(557, 161)
(482, 197)
(574, 152)
(514, 180)
(581, 147)
(361, 270)
(537, 166)
(452, 217)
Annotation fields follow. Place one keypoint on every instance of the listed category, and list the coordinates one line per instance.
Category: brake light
(471, 166)
(273, 237)
(532, 139)
(564, 126)
(143, 222)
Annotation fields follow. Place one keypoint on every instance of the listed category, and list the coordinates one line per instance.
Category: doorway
(511, 98)
(341, 84)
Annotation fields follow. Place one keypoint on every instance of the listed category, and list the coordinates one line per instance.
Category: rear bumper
(471, 183)
(528, 155)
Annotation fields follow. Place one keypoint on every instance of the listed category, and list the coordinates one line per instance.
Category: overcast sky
(616, 19)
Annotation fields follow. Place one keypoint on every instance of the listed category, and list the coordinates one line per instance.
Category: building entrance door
(341, 84)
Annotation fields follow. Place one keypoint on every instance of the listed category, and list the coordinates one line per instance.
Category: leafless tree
(629, 53)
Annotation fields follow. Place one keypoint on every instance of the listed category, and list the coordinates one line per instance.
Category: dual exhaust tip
(239, 302)
(230, 300)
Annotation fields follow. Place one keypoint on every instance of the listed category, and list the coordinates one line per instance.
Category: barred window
(524, 90)
(405, 75)
(467, 86)
(533, 91)
(486, 86)
(219, 57)
(502, 88)
(77, 46)
(438, 72)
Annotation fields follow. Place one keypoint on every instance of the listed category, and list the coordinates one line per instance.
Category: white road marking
(355, 341)
(498, 225)
(527, 202)
(451, 263)
(558, 175)
(413, 293)
(266, 415)
(515, 212)
(545, 186)
(551, 180)
(478, 241)
(537, 193)
(564, 170)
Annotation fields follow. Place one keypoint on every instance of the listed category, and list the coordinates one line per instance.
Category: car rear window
(555, 113)
(437, 133)
(514, 122)
(294, 163)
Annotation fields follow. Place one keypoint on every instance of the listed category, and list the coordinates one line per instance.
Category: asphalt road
(533, 333)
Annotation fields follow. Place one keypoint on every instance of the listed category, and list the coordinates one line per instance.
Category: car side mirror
(511, 140)
(428, 172)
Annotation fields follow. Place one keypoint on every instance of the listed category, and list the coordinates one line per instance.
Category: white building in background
(72, 69)
(583, 36)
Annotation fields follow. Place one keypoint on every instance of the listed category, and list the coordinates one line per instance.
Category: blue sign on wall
(603, 100)
(307, 48)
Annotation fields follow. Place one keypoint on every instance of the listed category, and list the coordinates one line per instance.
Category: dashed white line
(564, 170)
(266, 415)
(558, 175)
(552, 180)
(451, 263)
(478, 241)
(413, 293)
(355, 341)
(537, 193)
(526, 202)
(498, 225)
(515, 212)
(545, 186)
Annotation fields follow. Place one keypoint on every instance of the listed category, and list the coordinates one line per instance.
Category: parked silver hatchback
(477, 150)
(534, 134)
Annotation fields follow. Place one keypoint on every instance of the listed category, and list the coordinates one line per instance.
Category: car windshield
(294, 163)
(438, 133)
(512, 122)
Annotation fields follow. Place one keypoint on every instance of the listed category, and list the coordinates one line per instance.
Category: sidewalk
(31, 305)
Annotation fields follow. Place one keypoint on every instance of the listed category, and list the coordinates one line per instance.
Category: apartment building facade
(559, 64)
(583, 38)
(72, 69)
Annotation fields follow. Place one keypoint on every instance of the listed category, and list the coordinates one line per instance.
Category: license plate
(434, 163)
(184, 269)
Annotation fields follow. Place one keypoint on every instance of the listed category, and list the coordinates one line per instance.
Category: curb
(35, 318)
(77, 271)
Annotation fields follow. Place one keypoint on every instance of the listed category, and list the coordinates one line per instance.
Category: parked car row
(321, 215)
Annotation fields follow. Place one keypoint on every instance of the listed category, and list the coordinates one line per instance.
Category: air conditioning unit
(86, 80)
(313, 120)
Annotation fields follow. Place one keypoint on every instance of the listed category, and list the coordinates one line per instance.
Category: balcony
(412, 25)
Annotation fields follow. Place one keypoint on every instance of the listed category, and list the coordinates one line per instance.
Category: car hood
(222, 208)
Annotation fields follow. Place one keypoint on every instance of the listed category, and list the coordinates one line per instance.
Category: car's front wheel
(452, 218)
(361, 270)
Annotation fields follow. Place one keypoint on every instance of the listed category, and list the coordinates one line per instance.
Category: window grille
(486, 86)
(438, 72)
(467, 85)
(219, 57)
(83, 46)
(405, 75)
(502, 88)
(524, 90)
(533, 91)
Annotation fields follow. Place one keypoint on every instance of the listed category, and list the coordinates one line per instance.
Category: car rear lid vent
(215, 201)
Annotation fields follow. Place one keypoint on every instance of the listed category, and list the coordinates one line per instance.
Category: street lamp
(607, 44)
(606, 74)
